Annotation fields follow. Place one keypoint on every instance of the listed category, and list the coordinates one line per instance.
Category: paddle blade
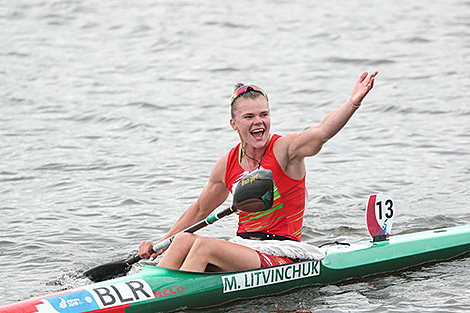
(111, 270)
(254, 192)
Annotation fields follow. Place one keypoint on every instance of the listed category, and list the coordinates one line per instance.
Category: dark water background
(112, 114)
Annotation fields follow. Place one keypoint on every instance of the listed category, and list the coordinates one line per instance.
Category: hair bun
(238, 85)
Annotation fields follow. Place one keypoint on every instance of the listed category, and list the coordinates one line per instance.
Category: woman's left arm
(310, 142)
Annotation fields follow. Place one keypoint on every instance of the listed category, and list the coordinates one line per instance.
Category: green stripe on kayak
(157, 289)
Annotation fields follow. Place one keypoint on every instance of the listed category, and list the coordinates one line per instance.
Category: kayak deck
(341, 263)
(158, 289)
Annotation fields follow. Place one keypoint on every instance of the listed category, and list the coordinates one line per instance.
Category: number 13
(388, 207)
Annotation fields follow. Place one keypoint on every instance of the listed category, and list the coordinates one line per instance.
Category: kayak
(157, 289)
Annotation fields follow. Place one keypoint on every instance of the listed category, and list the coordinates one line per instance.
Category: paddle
(253, 193)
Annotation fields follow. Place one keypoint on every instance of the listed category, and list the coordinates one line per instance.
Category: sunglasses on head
(245, 88)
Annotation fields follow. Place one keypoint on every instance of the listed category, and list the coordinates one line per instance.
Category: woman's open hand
(362, 87)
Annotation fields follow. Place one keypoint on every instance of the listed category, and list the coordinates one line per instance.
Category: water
(112, 114)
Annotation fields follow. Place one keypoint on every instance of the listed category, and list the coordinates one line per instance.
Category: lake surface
(113, 113)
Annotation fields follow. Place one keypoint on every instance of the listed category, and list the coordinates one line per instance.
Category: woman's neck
(252, 157)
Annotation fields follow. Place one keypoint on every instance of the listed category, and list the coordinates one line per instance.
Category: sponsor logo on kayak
(96, 298)
(269, 276)
(74, 302)
(168, 292)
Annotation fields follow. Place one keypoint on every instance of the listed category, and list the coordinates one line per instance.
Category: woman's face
(252, 121)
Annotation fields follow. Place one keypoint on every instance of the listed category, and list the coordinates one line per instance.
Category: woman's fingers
(144, 248)
(363, 86)
(372, 78)
(362, 77)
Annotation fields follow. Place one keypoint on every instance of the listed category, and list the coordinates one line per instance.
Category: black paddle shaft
(120, 268)
(254, 193)
(211, 219)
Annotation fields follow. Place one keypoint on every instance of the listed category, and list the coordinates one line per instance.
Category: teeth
(258, 131)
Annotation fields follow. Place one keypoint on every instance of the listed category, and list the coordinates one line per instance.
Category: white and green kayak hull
(156, 289)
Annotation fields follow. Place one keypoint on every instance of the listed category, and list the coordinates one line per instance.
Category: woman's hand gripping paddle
(254, 193)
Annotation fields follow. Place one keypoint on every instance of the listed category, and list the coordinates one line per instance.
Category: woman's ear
(234, 126)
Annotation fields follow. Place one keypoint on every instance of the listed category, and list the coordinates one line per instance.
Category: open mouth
(257, 133)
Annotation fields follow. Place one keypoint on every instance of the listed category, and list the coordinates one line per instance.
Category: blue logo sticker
(75, 302)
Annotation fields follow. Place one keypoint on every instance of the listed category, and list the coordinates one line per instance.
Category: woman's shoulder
(282, 149)
(222, 161)
(218, 172)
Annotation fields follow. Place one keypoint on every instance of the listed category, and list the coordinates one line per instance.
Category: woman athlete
(270, 238)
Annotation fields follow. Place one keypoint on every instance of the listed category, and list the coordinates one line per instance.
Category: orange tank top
(285, 218)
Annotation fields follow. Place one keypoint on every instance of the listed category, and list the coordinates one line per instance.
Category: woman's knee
(203, 246)
(184, 237)
(183, 241)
